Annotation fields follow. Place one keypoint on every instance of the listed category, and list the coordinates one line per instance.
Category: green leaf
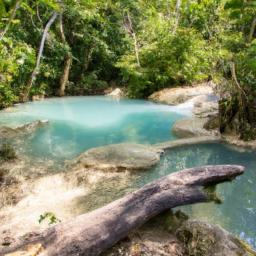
(234, 4)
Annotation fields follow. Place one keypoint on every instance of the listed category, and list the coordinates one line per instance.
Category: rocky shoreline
(205, 119)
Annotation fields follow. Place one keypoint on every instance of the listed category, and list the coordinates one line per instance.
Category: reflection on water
(238, 211)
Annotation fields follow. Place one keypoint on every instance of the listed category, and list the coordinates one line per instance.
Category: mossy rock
(203, 239)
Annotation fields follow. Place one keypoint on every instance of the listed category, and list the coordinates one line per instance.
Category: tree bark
(65, 74)
(87, 60)
(177, 15)
(39, 56)
(132, 32)
(252, 30)
(96, 231)
(13, 14)
(67, 63)
(241, 92)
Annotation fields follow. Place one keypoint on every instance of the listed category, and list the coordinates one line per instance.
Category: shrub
(170, 59)
(50, 217)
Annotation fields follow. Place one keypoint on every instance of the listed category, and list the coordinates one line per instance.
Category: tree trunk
(87, 60)
(132, 32)
(177, 15)
(234, 77)
(252, 30)
(67, 63)
(96, 231)
(39, 56)
(13, 14)
(65, 74)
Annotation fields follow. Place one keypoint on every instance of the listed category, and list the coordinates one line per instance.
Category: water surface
(79, 123)
(237, 213)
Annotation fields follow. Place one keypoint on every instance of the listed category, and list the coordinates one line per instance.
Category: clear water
(237, 213)
(79, 123)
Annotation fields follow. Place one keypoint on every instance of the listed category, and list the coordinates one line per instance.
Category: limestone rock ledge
(178, 95)
(204, 121)
(117, 157)
(193, 127)
(10, 132)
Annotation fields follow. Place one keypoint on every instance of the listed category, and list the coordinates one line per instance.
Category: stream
(79, 123)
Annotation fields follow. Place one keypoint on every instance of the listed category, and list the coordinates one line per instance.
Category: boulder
(201, 238)
(118, 157)
(38, 97)
(116, 93)
(192, 127)
(206, 109)
(175, 96)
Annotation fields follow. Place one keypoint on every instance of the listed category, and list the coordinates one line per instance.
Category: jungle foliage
(78, 47)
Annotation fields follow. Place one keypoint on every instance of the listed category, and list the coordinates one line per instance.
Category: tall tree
(39, 56)
(130, 29)
(11, 18)
(67, 61)
(177, 15)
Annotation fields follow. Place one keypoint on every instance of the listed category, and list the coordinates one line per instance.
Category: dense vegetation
(75, 47)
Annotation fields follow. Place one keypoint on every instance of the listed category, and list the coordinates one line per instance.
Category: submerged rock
(117, 157)
(175, 96)
(9, 132)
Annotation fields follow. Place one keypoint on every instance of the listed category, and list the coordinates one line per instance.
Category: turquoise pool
(79, 123)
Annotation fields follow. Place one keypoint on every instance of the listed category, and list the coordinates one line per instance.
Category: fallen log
(92, 233)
